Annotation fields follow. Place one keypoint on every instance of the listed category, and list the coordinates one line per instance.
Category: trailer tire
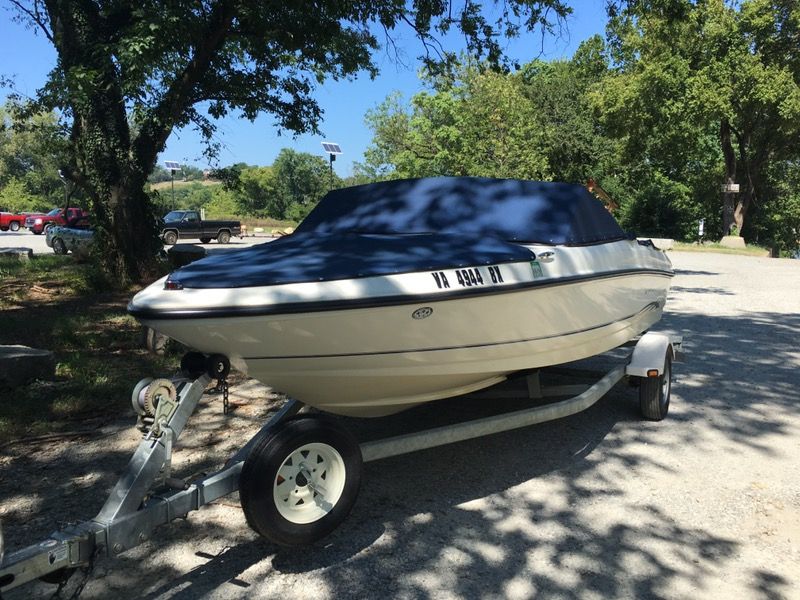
(294, 503)
(654, 393)
(205, 240)
(170, 238)
(223, 237)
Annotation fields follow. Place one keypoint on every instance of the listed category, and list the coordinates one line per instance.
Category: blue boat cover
(413, 225)
(509, 209)
(325, 257)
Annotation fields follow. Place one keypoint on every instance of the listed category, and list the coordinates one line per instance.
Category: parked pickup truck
(11, 221)
(186, 224)
(39, 222)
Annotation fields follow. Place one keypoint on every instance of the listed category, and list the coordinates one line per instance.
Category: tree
(130, 72)
(301, 179)
(689, 70)
(558, 94)
(32, 146)
(473, 122)
(256, 191)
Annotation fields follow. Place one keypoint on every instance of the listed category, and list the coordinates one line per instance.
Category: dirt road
(599, 505)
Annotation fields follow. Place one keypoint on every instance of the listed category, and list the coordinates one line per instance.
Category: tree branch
(157, 127)
(36, 16)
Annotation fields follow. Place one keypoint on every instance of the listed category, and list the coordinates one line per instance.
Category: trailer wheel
(223, 237)
(654, 393)
(299, 483)
(205, 240)
(170, 238)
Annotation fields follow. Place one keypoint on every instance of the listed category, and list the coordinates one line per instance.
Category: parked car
(186, 224)
(11, 221)
(77, 238)
(39, 222)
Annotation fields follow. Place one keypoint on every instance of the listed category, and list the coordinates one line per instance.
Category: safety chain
(85, 574)
(225, 403)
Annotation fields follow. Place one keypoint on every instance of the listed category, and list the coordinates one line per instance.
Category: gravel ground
(705, 504)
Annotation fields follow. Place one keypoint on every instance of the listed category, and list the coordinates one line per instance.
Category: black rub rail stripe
(650, 306)
(355, 303)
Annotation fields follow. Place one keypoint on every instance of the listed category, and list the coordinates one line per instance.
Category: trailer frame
(146, 497)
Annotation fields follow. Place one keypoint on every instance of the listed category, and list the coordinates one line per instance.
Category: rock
(16, 253)
(183, 254)
(21, 364)
(732, 241)
(663, 243)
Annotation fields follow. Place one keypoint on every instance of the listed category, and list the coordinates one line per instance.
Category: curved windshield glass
(54, 212)
(175, 215)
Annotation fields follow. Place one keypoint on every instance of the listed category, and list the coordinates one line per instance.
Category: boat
(393, 294)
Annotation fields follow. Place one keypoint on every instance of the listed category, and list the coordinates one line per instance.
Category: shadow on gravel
(451, 521)
(741, 376)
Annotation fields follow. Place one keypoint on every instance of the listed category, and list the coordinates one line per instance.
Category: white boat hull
(376, 361)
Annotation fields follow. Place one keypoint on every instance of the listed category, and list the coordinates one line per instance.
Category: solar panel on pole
(173, 166)
(332, 148)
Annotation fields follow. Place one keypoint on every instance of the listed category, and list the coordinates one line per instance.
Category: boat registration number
(470, 277)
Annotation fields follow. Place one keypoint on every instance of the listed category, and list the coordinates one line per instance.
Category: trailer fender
(650, 354)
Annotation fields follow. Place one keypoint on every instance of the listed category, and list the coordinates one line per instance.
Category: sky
(27, 57)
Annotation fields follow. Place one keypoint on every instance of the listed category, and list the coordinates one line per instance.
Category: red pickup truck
(11, 221)
(38, 223)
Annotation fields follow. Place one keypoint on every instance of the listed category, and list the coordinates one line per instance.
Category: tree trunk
(126, 240)
(728, 206)
(104, 163)
(749, 163)
(130, 250)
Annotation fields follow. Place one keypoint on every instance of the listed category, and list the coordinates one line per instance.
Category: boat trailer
(146, 496)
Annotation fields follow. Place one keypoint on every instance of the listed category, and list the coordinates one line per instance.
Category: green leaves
(477, 124)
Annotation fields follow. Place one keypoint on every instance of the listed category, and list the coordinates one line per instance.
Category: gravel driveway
(599, 505)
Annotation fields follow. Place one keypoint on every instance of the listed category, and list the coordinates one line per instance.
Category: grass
(167, 185)
(48, 303)
(749, 250)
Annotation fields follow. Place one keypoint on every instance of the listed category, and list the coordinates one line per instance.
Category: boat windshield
(172, 217)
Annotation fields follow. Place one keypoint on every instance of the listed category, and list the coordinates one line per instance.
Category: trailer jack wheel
(654, 392)
(300, 482)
